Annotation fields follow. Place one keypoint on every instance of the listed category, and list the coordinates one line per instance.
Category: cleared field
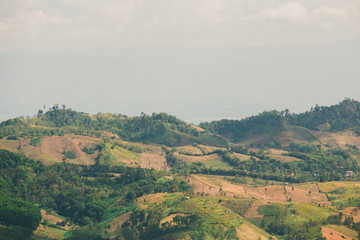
(119, 156)
(217, 164)
(217, 186)
(335, 232)
(118, 221)
(248, 231)
(147, 200)
(153, 160)
(52, 147)
(199, 129)
(52, 218)
(278, 155)
(352, 212)
(340, 138)
(45, 232)
(209, 149)
(211, 211)
(171, 217)
(341, 193)
(189, 149)
(252, 212)
(242, 157)
(311, 212)
(203, 159)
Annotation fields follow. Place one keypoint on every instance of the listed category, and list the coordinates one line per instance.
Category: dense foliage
(269, 123)
(158, 128)
(77, 192)
(343, 116)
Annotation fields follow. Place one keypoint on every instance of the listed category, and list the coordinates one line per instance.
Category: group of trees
(79, 193)
(345, 115)
(158, 128)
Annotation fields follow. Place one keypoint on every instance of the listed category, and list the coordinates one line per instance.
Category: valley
(271, 176)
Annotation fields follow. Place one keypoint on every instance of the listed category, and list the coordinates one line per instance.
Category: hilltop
(276, 175)
(283, 127)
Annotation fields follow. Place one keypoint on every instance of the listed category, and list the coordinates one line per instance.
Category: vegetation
(340, 117)
(110, 200)
(158, 128)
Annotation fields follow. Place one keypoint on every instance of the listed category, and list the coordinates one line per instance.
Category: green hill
(158, 128)
(284, 127)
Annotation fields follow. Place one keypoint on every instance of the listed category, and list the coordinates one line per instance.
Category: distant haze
(198, 60)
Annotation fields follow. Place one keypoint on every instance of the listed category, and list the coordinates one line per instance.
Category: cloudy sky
(200, 60)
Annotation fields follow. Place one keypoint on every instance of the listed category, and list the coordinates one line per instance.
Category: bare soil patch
(216, 186)
(171, 217)
(53, 219)
(340, 138)
(199, 129)
(242, 157)
(331, 234)
(54, 146)
(252, 212)
(187, 158)
(150, 199)
(189, 149)
(249, 231)
(209, 149)
(352, 212)
(153, 160)
(118, 221)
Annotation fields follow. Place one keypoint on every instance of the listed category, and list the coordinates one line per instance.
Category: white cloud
(330, 12)
(286, 12)
(175, 22)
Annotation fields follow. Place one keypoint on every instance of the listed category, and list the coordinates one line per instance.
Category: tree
(92, 231)
(15, 212)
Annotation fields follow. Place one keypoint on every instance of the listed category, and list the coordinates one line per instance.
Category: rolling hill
(275, 175)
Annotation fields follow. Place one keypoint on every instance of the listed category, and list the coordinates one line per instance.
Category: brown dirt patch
(208, 149)
(275, 193)
(252, 211)
(153, 160)
(186, 158)
(52, 147)
(189, 149)
(202, 186)
(249, 231)
(352, 212)
(118, 221)
(53, 219)
(278, 155)
(171, 217)
(306, 196)
(217, 187)
(340, 138)
(242, 157)
(10, 145)
(150, 199)
(313, 187)
(199, 129)
(331, 234)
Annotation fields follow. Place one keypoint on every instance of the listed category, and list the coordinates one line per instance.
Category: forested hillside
(340, 117)
(70, 175)
(158, 128)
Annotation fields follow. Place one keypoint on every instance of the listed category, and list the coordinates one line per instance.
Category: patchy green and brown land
(70, 175)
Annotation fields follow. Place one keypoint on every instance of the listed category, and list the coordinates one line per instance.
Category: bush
(69, 154)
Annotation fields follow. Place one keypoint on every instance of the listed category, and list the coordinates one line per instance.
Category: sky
(199, 60)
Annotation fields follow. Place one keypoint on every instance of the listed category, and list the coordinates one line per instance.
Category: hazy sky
(199, 60)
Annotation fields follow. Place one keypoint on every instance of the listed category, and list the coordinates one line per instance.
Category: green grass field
(311, 212)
